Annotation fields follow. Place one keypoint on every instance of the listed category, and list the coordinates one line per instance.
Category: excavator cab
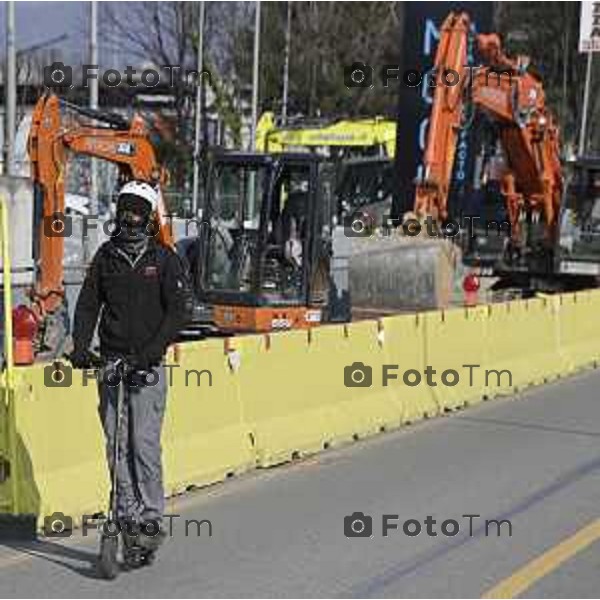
(578, 249)
(265, 242)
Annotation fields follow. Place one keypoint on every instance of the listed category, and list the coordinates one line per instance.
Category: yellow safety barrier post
(10, 500)
(12, 523)
(61, 451)
(544, 338)
(287, 394)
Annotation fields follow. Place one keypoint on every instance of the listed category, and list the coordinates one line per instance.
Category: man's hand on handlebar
(84, 359)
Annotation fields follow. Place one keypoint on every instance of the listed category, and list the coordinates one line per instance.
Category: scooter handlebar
(98, 362)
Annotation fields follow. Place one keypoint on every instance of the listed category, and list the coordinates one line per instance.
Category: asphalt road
(533, 459)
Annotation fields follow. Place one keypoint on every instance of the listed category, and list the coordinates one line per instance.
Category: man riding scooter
(138, 289)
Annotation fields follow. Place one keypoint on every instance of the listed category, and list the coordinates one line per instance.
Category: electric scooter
(135, 555)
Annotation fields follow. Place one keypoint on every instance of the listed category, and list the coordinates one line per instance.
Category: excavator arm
(124, 143)
(514, 100)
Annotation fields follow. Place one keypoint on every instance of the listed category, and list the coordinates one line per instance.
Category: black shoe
(149, 540)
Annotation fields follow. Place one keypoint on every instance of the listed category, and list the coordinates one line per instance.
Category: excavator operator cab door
(262, 219)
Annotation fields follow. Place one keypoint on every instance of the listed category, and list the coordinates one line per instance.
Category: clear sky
(37, 22)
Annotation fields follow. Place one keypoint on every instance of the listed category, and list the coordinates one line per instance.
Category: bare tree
(325, 38)
(162, 34)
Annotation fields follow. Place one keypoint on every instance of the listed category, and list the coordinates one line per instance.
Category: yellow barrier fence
(59, 454)
(60, 450)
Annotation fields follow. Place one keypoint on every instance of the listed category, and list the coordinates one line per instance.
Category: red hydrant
(25, 328)
(471, 286)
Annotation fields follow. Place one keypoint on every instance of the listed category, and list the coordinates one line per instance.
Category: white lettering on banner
(589, 27)
(431, 37)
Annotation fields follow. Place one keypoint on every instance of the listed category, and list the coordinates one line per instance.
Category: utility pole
(565, 73)
(255, 67)
(586, 101)
(10, 87)
(89, 242)
(94, 96)
(286, 63)
(200, 56)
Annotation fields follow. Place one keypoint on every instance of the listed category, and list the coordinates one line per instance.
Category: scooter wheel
(133, 557)
(108, 567)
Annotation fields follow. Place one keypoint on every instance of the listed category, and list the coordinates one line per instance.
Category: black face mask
(132, 237)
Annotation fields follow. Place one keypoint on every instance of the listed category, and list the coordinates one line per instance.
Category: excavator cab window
(234, 212)
(579, 239)
(287, 236)
(262, 214)
(582, 205)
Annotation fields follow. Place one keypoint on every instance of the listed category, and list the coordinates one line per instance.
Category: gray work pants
(140, 492)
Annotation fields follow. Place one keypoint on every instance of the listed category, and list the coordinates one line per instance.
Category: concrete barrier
(404, 345)
(205, 438)
(295, 396)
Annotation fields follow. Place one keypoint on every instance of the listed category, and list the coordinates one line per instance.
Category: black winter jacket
(142, 301)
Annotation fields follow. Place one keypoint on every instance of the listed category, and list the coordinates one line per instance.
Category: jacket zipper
(132, 264)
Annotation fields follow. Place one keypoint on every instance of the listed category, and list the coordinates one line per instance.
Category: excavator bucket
(400, 273)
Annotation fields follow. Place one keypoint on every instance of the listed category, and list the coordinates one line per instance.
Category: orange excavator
(110, 137)
(512, 99)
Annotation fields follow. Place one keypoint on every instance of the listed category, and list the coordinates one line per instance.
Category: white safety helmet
(141, 189)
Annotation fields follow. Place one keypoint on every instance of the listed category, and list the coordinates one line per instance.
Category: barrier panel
(204, 437)
(6, 491)
(455, 342)
(579, 328)
(404, 345)
(59, 461)
(295, 395)
(523, 338)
